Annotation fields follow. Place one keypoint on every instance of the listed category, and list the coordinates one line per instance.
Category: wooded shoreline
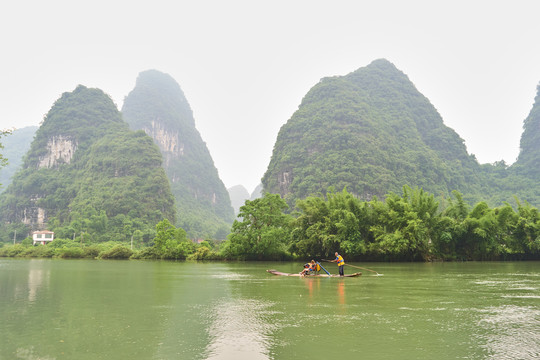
(408, 227)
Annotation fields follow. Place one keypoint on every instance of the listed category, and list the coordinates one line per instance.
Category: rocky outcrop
(34, 216)
(284, 180)
(60, 150)
(168, 141)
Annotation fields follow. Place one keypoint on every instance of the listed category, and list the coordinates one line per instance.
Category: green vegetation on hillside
(528, 162)
(109, 186)
(372, 131)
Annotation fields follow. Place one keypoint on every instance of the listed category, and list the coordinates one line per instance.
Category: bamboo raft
(275, 272)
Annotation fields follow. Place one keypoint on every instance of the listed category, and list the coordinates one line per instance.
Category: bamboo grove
(413, 226)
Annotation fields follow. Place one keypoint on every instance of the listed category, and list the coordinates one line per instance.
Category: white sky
(244, 65)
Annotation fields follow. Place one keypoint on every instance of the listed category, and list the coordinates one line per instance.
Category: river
(86, 309)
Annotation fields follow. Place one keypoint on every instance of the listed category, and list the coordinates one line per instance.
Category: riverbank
(68, 249)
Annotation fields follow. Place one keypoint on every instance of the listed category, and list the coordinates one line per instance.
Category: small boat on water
(275, 272)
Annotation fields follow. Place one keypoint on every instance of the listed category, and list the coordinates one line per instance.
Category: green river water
(85, 309)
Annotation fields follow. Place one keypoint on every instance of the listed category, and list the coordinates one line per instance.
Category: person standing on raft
(340, 263)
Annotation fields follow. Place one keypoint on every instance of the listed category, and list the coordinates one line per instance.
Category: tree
(171, 242)
(337, 223)
(526, 234)
(404, 229)
(264, 231)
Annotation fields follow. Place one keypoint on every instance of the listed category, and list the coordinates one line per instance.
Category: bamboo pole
(358, 267)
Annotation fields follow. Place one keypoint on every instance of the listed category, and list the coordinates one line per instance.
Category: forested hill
(371, 131)
(87, 172)
(158, 106)
(521, 179)
(15, 145)
(528, 162)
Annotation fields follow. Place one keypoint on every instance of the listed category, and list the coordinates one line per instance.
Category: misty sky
(244, 66)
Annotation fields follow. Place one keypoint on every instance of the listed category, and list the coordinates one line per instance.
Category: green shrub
(91, 251)
(39, 251)
(12, 250)
(70, 253)
(204, 253)
(117, 252)
(146, 253)
(63, 243)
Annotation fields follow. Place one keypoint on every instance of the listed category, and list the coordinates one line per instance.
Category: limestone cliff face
(35, 216)
(60, 150)
(167, 140)
(284, 180)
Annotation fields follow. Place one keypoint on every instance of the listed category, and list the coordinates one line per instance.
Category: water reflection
(239, 331)
(37, 276)
(313, 287)
(341, 292)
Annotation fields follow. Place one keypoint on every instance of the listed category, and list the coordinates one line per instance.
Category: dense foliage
(263, 233)
(111, 188)
(413, 226)
(158, 106)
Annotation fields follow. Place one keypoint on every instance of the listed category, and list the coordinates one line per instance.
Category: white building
(42, 237)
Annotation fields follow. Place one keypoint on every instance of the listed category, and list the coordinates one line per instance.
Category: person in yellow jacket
(340, 263)
(311, 268)
(315, 267)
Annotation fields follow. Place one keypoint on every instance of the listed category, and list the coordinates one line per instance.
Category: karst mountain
(371, 131)
(158, 106)
(87, 173)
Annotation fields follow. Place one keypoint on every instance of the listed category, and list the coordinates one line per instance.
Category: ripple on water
(511, 332)
(231, 276)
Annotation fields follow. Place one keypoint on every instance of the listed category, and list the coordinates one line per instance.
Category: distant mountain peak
(158, 106)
